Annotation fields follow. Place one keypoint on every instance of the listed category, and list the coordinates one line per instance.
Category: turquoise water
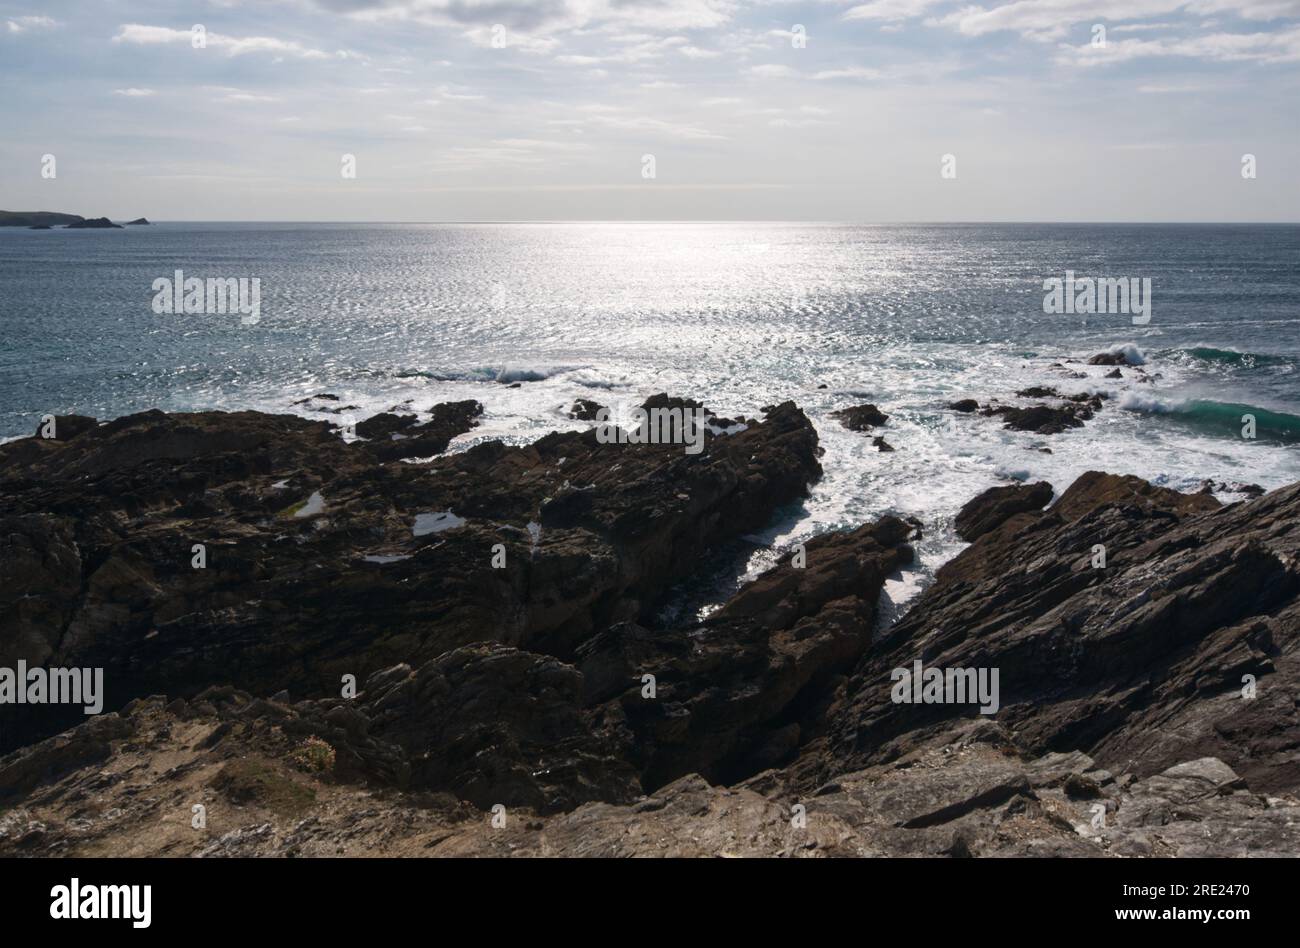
(739, 315)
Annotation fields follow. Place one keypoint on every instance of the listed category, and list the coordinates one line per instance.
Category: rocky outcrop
(996, 505)
(584, 409)
(1115, 357)
(391, 437)
(183, 551)
(860, 417)
(1042, 419)
(1123, 622)
(93, 223)
(244, 762)
(468, 656)
(735, 694)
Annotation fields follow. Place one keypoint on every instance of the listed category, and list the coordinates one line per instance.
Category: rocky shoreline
(373, 647)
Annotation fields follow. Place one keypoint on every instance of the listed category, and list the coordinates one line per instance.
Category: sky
(886, 111)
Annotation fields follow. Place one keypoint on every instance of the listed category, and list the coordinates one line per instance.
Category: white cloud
(542, 17)
(142, 35)
(889, 10)
(1047, 20)
(849, 72)
(642, 125)
(133, 92)
(1280, 47)
(21, 24)
(231, 94)
(772, 71)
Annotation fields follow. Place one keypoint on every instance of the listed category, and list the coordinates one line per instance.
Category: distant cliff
(33, 218)
(45, 219)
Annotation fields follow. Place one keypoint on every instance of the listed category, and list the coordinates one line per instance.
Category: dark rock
(1114, 374)
(1139, 666)
(101, 529)
(881, 444)
(860, 417)
(139, 221)
(964, 405)
(384, 424)
(584, 409)
(1235, 487)
(1042, 419)
(729, 690)
(100, 223)
(393, 437)
(998, 504)
(67, 427)
(496, 725)
(1110, 358)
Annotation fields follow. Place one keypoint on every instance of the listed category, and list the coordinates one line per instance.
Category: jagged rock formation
(320, 561)
(996, 505)
(93, 223)
(1146, 645)
(860, 417)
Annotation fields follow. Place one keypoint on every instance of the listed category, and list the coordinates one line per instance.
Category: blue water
(737, 314)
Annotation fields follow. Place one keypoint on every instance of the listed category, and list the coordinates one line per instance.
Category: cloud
(133, 92)
(455, 94)
(231, 94)
(773, 71)
(142, 35)
(1047, 20)
(541, 17)
(520, 152)
(890, 10)
(1280, 47)
(642, 125)
(849, 72)
(22, 24)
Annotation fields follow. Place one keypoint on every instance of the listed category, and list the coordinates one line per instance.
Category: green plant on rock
(313, 756)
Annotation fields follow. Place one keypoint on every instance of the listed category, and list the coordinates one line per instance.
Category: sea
(737, 315)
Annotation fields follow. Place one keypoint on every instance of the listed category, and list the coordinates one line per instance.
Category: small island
(94, 223)
(140, 221)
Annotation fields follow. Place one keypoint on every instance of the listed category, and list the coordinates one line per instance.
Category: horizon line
(804, 221)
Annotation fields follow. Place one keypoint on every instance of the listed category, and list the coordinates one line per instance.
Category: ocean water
(739, 315)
